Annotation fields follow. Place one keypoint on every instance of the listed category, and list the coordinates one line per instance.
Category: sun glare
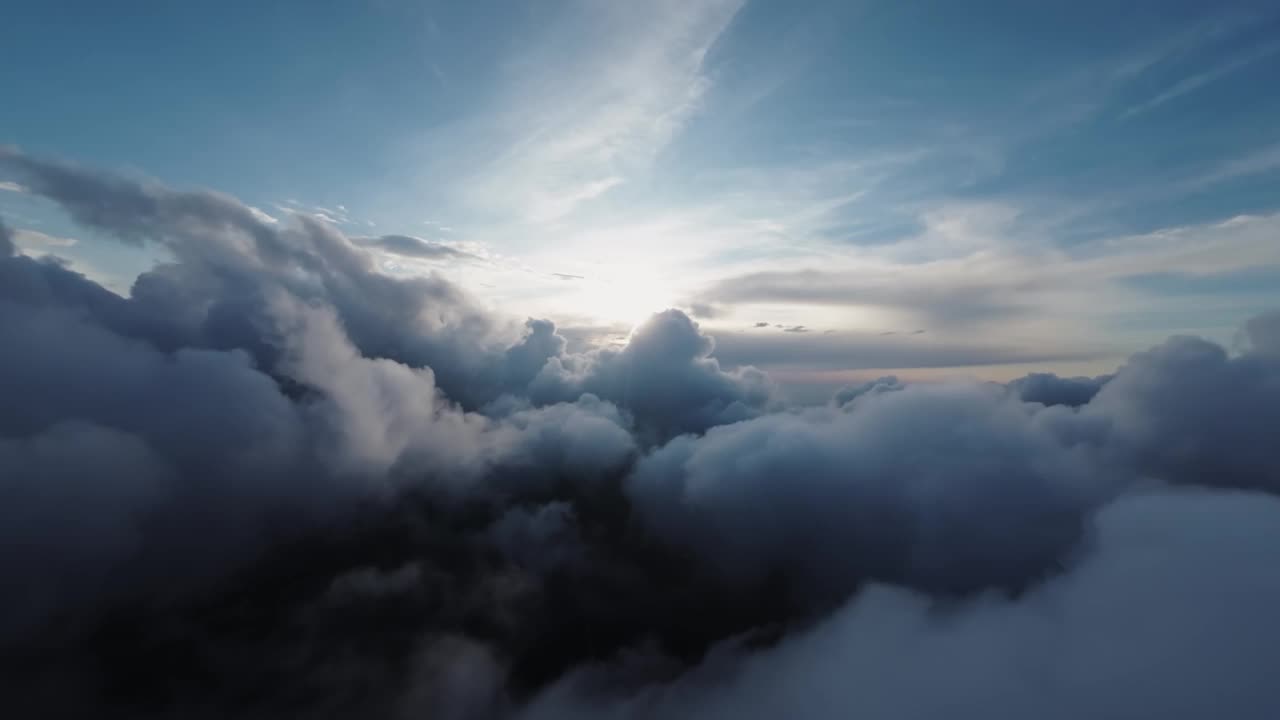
(628, 300)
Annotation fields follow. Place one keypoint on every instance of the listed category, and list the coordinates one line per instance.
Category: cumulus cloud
(1049, 389)
(275, 481)
(1167, 614)
(664, 375)
(946, 488)
(1187, 411)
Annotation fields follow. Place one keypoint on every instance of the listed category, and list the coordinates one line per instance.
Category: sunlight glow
(623, 298)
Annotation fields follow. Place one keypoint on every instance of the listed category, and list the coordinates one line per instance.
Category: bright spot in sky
(622, 298)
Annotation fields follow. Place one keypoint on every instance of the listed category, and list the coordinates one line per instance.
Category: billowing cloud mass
(273, 481)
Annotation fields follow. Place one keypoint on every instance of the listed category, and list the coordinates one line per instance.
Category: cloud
(272, 480)
(566, 138)
(665, 376)
(935, 300)
(1194, 82)
(6, 240)
(1263, 332)
(848, 394)
(1167, 613)
(1187, 411)
(957, 281)
(1049, 389)
(705, 311)
(414, 247)
(1256, 162)
(826, 499)
(872, 351)
(34, 239)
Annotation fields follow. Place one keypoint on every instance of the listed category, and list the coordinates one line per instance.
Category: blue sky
(867, 182)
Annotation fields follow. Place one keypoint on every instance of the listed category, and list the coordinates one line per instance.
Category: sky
(834, 190)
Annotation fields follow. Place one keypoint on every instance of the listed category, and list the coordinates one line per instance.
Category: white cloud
(36, 240)
(548, 206)
(261, 215)
(1238, 243)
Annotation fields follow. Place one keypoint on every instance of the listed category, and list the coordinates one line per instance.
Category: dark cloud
(567, 276)
(275, 482)
(761, 324)
(414, 247)
(1049, 389)
(1186, 411)
(1168, 614)
(7, 247)
(796, 329)
(799, 494)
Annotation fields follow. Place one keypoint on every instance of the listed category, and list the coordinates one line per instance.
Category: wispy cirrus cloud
(1002, 283)
(1258, 161)
(36, 240)
(558, 137)
(1195, 81)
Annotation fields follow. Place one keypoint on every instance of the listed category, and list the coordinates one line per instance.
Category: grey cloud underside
(409, 246)
(7, 247)
(941, 302)
(859, 351)
(1263, 333)
(1167, 616)
(274, 482)
(1049, 389)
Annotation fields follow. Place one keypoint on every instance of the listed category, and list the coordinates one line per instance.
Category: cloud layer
(275, 481)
